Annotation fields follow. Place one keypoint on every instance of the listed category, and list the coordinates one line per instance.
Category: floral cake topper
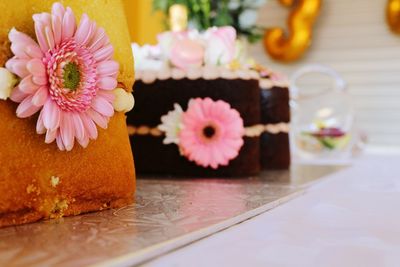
(216, 46)
(68, 76)
(210, 133)
(190, 50)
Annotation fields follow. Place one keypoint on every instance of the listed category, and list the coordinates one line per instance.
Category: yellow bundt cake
(65, 81)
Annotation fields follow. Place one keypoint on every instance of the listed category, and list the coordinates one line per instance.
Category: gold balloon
(287, 2)
(178, 17)
(292, 46)
(393, 15)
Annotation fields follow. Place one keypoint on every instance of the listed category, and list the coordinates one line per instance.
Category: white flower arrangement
(171, 124)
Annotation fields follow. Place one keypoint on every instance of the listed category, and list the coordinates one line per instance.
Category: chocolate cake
(186, 107)
(275, 150)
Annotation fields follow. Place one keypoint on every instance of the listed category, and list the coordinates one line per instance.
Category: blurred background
(352, 37)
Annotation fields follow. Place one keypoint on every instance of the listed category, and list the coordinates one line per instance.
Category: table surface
(351, 218)
(167, 214)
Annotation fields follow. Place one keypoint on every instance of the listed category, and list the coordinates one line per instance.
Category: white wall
(352, 37)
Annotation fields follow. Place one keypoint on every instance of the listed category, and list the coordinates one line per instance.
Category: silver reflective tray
(167, 214)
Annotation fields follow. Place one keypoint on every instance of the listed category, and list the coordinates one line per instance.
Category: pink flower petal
(197, 106)
(99, 119)
(34, 51)
(103, 107)
(217, 156)
(17, 95)
(107, 83)
(107, 95)
(68, 24)
(20, 69)
(40, 80)
(26, 108)
(27, 85)
(84, 142)
(40, 129)
(19, 50)
(48, 33)
(107, 68)
(36, 67)
(21, 38)
(41, 36)
(56, 26)
(18, 66)
(84, 31)
(40, 97)
(60, 143)
(58, 10)
(207, 107)
(77, 125)
(10, 63)
(43, 17)
(99, 40)
(229, 151)
(51, 115)
(67, 131)
(90, 126)
(104, 53)
(50, 136)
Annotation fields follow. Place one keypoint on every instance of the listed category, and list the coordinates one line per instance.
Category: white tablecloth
(352, 218)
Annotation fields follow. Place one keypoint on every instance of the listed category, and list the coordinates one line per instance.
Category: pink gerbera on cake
(212, 133)
(68, 76)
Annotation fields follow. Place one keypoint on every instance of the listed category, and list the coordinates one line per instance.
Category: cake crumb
(32, 189)
(54, 180)
(58, 209)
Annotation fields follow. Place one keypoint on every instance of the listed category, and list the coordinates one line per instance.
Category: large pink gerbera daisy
(67, 76)
(212, 133)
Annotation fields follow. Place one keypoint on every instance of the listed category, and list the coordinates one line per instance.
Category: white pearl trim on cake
(207, 73)
(257, 130)
(251, 131)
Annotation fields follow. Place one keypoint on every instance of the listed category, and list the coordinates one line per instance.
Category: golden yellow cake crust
(37, 180)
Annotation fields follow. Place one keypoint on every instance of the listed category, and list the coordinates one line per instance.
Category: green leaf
(207, 13)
